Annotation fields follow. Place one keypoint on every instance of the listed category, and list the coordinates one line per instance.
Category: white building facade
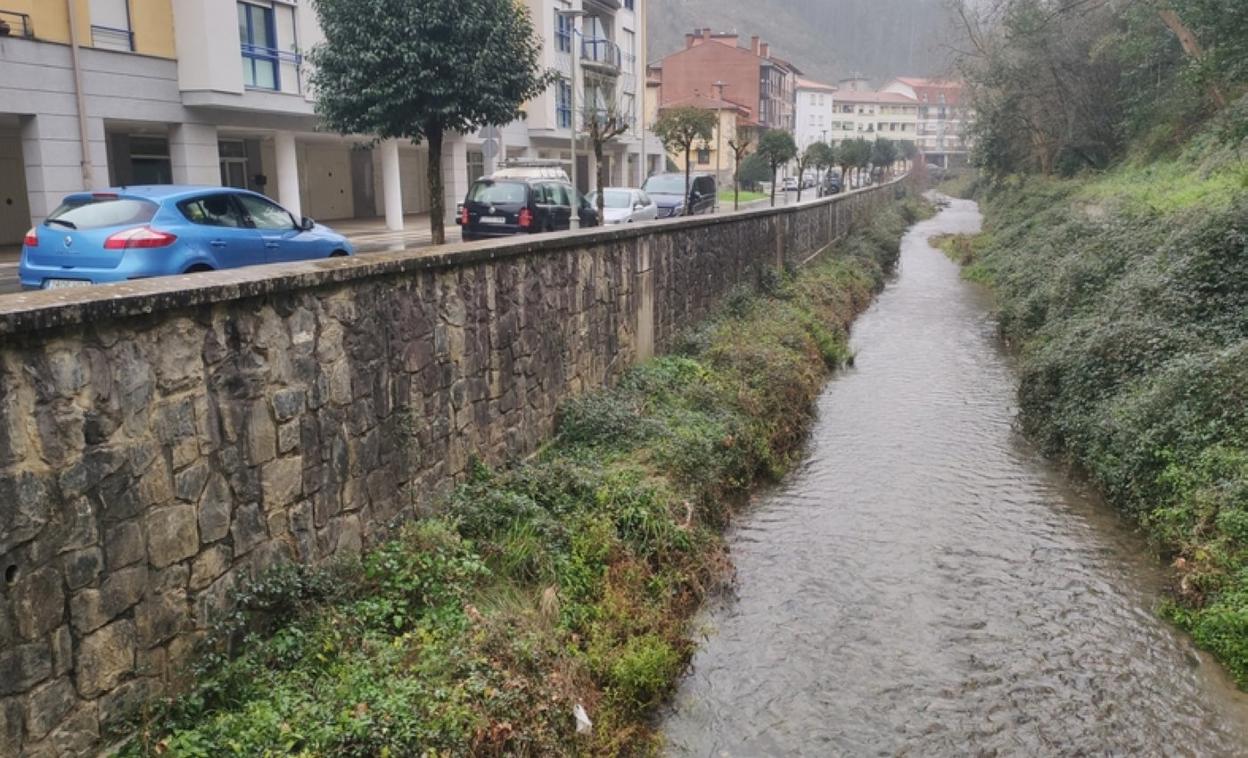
(815, 113)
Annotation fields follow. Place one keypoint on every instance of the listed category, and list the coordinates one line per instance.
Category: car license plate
(493, 220)
(56, 284)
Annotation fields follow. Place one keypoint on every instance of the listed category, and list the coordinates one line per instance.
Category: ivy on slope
(1127, 295)
(567, 580)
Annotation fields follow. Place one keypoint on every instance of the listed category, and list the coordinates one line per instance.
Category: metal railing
(287, 66)
(14, 24)
(112, 38)
(601, 53)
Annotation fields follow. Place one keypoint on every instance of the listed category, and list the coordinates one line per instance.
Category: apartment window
(110, 25)
(704, 155)
(628, 41)
(628, 4)
(814, 99)
(149, 161)
(563, 104)
(563, 33)
(258, 35)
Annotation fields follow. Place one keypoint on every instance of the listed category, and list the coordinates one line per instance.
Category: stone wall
(164, 441)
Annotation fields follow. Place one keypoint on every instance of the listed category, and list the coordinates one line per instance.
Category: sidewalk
(370, 235)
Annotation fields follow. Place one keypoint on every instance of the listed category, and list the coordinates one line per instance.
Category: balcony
(267, 68)
(112, 38)
(601, 55)
(14, 24)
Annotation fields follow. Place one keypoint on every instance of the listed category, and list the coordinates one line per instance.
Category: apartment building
(815, 112)
(943, 117)
(714, 62)
(216, 92)
(861, 111)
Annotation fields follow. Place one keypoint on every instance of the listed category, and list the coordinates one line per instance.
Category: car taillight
(526, 218)
(142, 236)
(463, 215)
(31, 239)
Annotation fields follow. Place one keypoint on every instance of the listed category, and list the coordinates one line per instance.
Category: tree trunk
(437, 205)
(736, 183)
(773, 186)
(800, 172)
(1191, 46)
(688, 166)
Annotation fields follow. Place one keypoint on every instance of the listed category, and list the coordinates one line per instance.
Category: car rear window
(499, 193)
(98, 213)
(665, 185)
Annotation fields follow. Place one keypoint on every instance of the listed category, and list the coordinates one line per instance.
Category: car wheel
(338, 254)
(199, 268)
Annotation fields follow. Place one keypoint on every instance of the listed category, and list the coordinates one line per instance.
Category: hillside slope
(827, 39)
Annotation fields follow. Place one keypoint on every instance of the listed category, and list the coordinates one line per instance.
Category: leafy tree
(413, 69)
(804, 159)
(739, 145)
(679, 128)
(823, 156)
(883, 153)
(777, 148)
(855, 154)
(604, 120)
(754, 169)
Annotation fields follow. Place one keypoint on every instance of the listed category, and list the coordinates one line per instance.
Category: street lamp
(572, 15)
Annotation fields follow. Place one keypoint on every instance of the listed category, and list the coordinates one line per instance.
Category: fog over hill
(827, 39)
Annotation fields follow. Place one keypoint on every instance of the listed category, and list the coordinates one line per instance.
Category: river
(926, 584)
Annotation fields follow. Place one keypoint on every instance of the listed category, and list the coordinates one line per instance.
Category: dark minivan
(503, 207)
(668, 190)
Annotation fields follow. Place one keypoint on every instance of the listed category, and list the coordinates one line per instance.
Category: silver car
(624, 205)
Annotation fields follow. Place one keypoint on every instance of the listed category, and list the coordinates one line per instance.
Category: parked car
(523, 168)
(503, 207)
(138, 232)
(831, 184)
(668, 191)
(790, 184)
(624, 205)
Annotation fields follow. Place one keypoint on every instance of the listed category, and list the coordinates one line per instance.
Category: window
(563, 104)
(104, 211)
(628, 41)
(213, 210)
(149, 161)
(814, 99)
(110, 25)
(476, 165)
(704, 155)
(258, 36)
(264, 214)
(628, 4)
(563, 33)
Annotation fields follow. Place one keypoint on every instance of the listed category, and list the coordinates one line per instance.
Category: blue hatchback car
(127, 233)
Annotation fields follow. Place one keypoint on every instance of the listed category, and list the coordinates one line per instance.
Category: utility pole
(572, 15)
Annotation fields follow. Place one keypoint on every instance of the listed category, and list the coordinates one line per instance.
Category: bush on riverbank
(1128, 297)
(570, 579)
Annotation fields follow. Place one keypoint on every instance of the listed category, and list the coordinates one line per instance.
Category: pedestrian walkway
(370, 235)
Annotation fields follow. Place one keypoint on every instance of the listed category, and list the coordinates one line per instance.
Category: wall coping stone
(49, 309)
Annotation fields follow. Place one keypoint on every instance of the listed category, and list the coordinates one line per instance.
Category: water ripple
(925, 585)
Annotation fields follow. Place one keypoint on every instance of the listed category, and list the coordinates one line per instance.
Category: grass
(567, 580)
(725, 196)
(1125, 294)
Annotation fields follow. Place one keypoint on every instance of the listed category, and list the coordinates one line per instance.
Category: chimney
(706, 34)
(719, 90)
(754, 44)
(764, 50)
(689, 40)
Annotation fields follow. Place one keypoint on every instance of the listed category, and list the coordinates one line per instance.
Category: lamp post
(572, 15)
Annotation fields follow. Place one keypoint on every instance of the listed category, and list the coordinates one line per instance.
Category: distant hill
(827, 39)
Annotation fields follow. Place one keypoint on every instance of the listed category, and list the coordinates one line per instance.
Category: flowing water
(925, 584)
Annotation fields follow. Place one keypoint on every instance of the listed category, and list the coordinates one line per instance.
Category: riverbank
(565, 583)
(1125, 296)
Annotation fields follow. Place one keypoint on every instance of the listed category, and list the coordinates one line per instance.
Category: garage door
(328, 177)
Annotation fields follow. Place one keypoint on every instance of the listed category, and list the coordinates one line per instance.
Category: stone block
(261, 435)
(161, 616)
(104, 658)
(62, 651)
(282, 481)
(39, 602)
(188, 484)
(156, 485)
(82, 567)
(215, 507)
(249, 528)
(92, 608)
(78, 735)
(24, 666)
(123, 545)
(288, 436)
(47, 705)
(288, 403)
(127, 700)
(11, 726)
(23, 508)
(172, 534)
(208, 565)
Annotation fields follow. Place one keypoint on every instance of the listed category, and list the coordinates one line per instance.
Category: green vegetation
(1127, 295)
(746, 196)
(569, 579)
